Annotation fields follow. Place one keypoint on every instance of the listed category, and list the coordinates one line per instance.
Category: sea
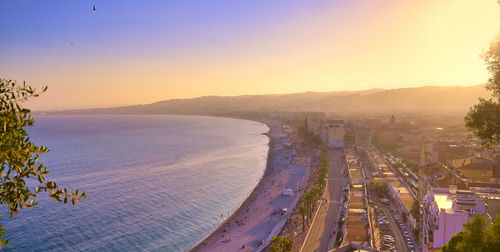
(153, 182)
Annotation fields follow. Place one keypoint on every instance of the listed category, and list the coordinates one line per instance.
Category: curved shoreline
(272, 141)
(257, 191)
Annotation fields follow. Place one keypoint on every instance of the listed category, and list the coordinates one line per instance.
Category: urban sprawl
(411, 183)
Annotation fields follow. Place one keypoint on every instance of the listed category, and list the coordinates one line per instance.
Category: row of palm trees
(308, 205)
(309, 200)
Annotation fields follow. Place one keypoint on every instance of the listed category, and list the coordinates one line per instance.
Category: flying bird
(94, 8)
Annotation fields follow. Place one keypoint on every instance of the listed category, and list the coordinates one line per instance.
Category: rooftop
(354, 247)
(443, 201)
(357, 230)
(403, 193)
(452, 200)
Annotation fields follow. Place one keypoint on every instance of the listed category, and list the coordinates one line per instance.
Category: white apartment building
(445, 210)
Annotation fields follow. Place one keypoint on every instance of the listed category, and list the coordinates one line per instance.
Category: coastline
(272, 142)
(265, 211)
(259, 222)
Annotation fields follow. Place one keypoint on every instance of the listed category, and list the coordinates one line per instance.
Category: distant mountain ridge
(429, 99)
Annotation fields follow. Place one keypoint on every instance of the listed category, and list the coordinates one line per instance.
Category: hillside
(431, 99)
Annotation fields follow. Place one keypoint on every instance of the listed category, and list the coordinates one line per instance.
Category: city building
(314, 121)
(445, 210)
(363, 136)
(354, 247)
(411, 153)
(335, 132)
(357, 227)
(349, 135)
(478, 169)
(445, 151)
(437, 175)
(403, 200)
(317, 116)
(314, 126)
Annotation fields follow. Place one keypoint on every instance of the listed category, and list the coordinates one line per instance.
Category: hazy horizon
(127, 53)
(90, 106)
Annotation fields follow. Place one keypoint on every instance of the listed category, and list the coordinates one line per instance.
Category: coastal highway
(325, 221)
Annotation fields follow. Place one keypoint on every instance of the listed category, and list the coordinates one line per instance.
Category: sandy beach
(251, 224)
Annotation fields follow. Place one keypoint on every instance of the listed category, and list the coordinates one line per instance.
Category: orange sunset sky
(134, 53)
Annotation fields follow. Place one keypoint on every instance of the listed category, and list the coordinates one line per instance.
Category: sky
(138, 52)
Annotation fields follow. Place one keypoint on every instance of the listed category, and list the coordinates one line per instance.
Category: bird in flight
(94, 8)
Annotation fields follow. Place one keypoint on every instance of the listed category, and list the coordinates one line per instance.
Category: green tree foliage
(323, 170)
(483, 118)
(410, 165)
(380, 187)
(415, 211)
(309, 138)
(477, 236)
(384, 144)
(281, 244)
(22, 175)
(453, 242)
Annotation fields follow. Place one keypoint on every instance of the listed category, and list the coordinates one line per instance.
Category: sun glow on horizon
(135, 53)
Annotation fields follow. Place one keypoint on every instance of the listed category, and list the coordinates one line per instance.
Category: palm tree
(321, 180)
(304, 211)
(309, 199)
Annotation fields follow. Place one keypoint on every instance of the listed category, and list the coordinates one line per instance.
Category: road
(326, 219)
(400, 240)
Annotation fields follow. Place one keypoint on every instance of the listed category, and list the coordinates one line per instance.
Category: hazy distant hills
(432, 99)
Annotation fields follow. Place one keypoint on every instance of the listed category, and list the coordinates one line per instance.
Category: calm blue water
(154, 183)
